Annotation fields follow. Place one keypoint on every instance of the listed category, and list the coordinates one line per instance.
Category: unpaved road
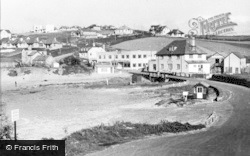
(229, 139)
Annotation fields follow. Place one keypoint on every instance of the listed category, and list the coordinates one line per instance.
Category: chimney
(192, 42)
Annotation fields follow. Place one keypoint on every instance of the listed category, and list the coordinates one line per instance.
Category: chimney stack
(192, 42)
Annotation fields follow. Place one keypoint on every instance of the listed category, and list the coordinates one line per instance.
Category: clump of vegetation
(96, 138)
(12, 73)
(27, 72)
(243, 80)
(5, 127)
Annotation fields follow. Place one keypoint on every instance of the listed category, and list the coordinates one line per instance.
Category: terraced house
(181, 57)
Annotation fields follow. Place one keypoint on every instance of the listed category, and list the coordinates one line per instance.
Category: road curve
(230, 139)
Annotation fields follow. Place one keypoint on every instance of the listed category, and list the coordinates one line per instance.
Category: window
(127, 56)
(178, 66)
(110, 57)
(194, 65)
(199, 56)
(178, 57)
(170, 66)
(199, 89)
(134, 56)
(116, 56)
(134, 65)
(144, 56)
(144, 65)
(104, 57)
(217, 60)
(100, 57)
(123, 56)
(170, 57)
(139, 56)
(236, 70)
(190, 56)
(139, 64)
(230, 69)
(154, 66)
(162, 66)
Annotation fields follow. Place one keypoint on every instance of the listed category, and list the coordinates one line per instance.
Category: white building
(38, 29)
(129, 60)
(234, 63)
(182, 57)
(5, 34)
(124, 30)
(49, 28)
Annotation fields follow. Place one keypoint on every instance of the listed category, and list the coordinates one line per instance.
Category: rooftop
(180, 47)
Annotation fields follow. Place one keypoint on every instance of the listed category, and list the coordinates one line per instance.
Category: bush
(12, 73)
(88, 140)
(5, 128)
(234, 79)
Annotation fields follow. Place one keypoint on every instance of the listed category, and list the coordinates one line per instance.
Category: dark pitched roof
(203, 84)
(8, 31)
(180, 47)
(175, 31)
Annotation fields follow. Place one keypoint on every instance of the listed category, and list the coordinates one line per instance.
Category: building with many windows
(180, 56)
(129, 60)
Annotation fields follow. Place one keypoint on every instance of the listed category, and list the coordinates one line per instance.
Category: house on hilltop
(5, 34)
(124, 30)
(158, 30)
(176, 33)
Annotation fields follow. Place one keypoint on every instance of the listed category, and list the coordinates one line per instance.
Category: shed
(201, 90)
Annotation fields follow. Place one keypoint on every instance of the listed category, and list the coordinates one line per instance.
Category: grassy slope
(225, 48)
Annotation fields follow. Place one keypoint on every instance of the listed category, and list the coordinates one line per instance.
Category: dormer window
(172, 48)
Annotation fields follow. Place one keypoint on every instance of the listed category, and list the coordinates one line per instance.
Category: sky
(20, 16)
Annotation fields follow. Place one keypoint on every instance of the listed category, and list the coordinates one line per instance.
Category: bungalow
(52, 43)
(159, 30)
(234, 63)
(5, 34)
(176, 33)
(29, 55)
(43, 60)
(104, 68)
(181, 57)
(124, 30)
(22, 43)
(216, 63)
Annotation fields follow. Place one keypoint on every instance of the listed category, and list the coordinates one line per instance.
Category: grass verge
(99, 137)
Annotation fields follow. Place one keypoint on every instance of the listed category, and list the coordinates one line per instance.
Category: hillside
(225, 48)
(150, 43)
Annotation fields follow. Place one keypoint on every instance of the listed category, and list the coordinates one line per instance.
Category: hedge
(234, 79)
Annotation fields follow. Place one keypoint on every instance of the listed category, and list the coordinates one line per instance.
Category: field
(147, 44)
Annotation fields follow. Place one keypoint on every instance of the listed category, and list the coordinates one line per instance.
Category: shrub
(234, 79)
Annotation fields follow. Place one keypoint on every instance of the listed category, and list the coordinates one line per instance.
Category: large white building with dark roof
(180, 56)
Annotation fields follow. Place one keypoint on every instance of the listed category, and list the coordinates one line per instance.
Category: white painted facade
(5, 34)
(234, 64)
(131, 60)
